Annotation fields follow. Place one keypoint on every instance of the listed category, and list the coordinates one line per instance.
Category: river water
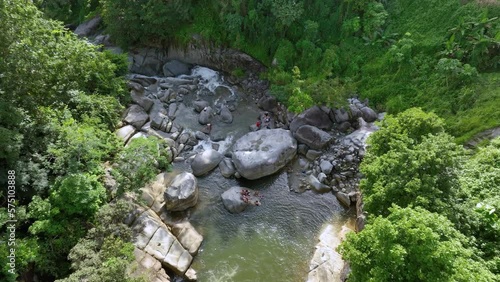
(272, 242)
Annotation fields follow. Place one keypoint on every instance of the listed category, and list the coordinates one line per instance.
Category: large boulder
(227, 168)
(237, 199)
(261, 153)
(314, 116)
(206, 161)
(175, 68)
(327, 263)
(136, 116)
(182, 192)
(313, 137)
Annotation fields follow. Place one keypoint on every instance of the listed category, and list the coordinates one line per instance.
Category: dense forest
(433, 207)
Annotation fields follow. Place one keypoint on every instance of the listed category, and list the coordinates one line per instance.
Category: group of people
(247, 198)
(265, 123)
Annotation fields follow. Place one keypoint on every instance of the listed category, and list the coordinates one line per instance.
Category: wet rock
(226, 115)
(182, 192)
(316, 185)
(200, 135)
(205, 116)
(313, 137)
(261, 153)
(234, 200)
(343, 199)
(175, 81)
(175, 68)
(200, 105)
(136, 116)
(227, 168)
(205, 162)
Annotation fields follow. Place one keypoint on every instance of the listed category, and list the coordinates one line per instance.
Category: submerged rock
(261, 153)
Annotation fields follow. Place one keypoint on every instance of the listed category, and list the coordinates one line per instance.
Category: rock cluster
(160, 243)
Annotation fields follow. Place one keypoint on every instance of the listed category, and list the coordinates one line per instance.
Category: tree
(410, 161)
(140, 161)
(412, 245)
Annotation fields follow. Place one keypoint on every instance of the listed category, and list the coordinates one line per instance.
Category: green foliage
(151, 21)
(140, 162)
(67, 11)
(410, 161)
(81, 147)
(412, 245)
(105, 254)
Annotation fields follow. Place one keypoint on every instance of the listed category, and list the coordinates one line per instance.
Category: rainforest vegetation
(433, 207)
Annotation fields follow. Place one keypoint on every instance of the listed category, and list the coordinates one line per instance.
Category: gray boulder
(172, 109)
(267, 103)
(206, 161)
(326, 167)
(136, 116)
(227, 168)
(147, 61)
(313, 137)
(261, 153)
(343, 198)
(225, 115)
(175, 68)
(368, 114)
(140, 99)
(182, 193)
(89, 27)
(314, 116)
(200, 105)
(317, 185)
(235, 202)
(205, 116)
(125, 133)
(340, 115)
